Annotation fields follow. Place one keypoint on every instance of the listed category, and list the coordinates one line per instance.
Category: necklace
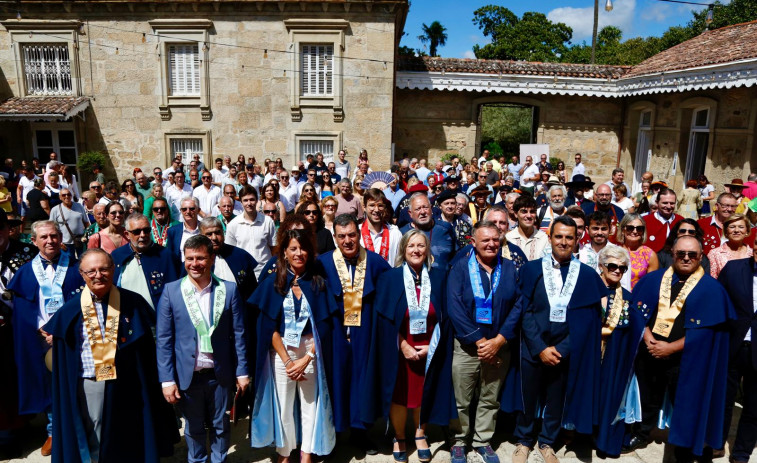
(159, 233)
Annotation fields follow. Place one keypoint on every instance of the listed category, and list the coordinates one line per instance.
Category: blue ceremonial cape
(266, 427)
(443, 243)
(351, 357)
(138, 424)
(517, 257)
(242, 264)
(578, 339)
(173, 244)
(617, 366)
(704, 362)
(158, 265)
(438, 403)
(34, 394)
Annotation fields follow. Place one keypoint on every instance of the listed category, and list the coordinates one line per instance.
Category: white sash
(418, 310)
(558, 293)
(52, 291)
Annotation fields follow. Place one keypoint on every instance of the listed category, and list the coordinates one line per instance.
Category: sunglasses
(269, 211)
(636, 228)
(94, 187)
(615, 267)
(65, 195)
(687, 231)
(186, 209)
(139, 231)
(116, 213)
(310, 212)
(690, 255)
(159, 209)
(204, 177)
(160, 172)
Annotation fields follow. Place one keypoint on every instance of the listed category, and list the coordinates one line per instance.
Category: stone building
(145, 80)
(686, 111)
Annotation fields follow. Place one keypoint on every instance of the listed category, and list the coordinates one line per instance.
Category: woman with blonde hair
(329, 206)
(736, 230)
(631, 235)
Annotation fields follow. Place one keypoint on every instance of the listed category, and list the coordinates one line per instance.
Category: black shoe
(360, 438)
(635, 443)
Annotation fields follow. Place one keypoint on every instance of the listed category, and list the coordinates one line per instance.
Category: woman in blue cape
(292, 400)
(415, 372)
(618, 398)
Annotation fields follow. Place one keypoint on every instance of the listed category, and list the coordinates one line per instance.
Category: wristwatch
(311, 355)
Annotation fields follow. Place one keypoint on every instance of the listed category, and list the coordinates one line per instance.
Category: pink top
(102, 240)
(721, 255)
(639, 263)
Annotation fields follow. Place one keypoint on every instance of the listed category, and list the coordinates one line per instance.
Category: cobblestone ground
(579, 452)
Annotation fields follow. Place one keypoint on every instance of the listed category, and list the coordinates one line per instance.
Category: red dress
(408, 390)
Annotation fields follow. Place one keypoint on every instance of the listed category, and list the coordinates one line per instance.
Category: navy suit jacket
(736, 277)
(177, 338)
(173, 240)
(158, 264)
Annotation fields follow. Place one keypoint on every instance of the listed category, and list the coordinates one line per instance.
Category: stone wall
(249, 93)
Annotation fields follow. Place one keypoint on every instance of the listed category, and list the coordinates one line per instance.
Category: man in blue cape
(351, 275)
(482, 298)
(686, 381)
(40, 288)
(141, 265)
(440, 233)
(560, 345)
(107, 400)
(180, 233)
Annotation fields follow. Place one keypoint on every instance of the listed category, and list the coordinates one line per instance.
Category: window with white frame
(699, 142)
(186, 148)
(325, 147)
(317, 70)
(184, 70)
(47, 69)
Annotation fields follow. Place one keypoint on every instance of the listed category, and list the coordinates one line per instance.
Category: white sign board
(535, 151)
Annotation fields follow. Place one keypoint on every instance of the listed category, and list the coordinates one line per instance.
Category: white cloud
(657, 12)
(469, 54)
(581, 20)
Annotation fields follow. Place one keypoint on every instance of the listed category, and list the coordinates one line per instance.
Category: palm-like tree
(435, 35)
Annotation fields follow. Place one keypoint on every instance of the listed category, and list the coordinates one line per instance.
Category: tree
(435, 35)
(532, 37)
(506, 126)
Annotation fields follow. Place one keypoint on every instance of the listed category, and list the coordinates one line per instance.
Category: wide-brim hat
(579, 181)
(553, 180)
(735, 183)
(480, 190)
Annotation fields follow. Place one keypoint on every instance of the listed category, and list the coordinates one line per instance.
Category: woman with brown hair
(323, 237)
(271, 205)
(114, 236)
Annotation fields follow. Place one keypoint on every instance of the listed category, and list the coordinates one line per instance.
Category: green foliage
(532, 37)
(406, 51)
(435, 35)
(494, 149)
(447, 158)
(554, 162)
(89, 159)
(507, 127)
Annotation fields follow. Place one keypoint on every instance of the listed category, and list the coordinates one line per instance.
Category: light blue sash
(483, 304)
(293, 325)
(52, 291)
(418, 310)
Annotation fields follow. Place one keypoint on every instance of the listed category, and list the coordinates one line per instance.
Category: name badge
(418, 327)
(292, 339)
(52, 305)
(484, 315)
(558, 313)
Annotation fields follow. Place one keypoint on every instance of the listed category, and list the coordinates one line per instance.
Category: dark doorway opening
(503, 127)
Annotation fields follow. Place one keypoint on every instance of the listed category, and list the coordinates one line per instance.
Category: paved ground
(580, 452)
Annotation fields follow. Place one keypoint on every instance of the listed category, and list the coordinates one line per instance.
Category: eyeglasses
(284, 177)
(186, 209)
(310, 212)
(687, 231)
(311, 174)
(139, 231)
(269, 211)
(634, 228)
(93, 272)
(159, 209)
(690, 255)
(205, 177)
(65, 195)
(728, 207)
(615, 267)
(116, 213)
(330, 206)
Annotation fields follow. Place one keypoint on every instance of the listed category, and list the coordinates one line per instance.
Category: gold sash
(352, 290)
(103, 348)
(615, 310)
(667, 312)
(506, 251)
(473, 213)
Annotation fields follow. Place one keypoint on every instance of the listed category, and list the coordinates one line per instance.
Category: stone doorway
(503, 127)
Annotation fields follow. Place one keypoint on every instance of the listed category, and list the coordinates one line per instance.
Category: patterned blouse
(639, 263)
(721, 255)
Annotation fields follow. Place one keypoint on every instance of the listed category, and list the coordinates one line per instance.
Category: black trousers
(740, 368)
(656, 377)
(545, 386)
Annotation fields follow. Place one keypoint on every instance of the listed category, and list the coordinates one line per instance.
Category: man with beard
(13, 254)
(40, 288)
(726, 205)
(351, 274)
(176, 193)
(161, 221)
(603, 196)
(482, 300)
(440, 233)
(375, 233)
(556, 208)
(143, 266)
(599, 230)
(106, 398)
(661, 222)
(447, 202)
(180, 233)
(527, 236)
(561, 301)
(682, 362)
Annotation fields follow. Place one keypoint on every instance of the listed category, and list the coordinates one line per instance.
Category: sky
(636, 18)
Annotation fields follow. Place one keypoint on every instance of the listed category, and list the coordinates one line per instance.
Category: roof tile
(48, 105)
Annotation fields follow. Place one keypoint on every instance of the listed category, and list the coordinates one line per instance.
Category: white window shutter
(184, 70)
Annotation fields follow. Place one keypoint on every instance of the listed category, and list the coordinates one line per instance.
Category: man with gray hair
(178, 234)
(232, 263)
(72, 219)
(440, 233)
(556, 196)
(141, 265)
(40, 288)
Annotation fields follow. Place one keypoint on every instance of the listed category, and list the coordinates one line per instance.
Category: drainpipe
(620, 132)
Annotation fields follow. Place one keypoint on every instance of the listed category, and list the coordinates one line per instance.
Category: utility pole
(594, 32)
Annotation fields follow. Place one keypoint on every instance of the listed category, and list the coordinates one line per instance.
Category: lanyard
(483, 304)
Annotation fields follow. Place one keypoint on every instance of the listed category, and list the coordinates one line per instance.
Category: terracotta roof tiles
(61, 106)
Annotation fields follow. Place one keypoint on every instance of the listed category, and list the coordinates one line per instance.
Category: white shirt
(256, 237)
(533, 247)
(289, 195)
(207, 197)
(579, 169)
(219, 175)
(43, 317)
(204, 359)
(238, 209)
(668, 223)
(625, 204)
(223, 271)
(590, 257)
(26, 185)
(185, 235)
(530, 172)
(268, 177)
(73, 186)
(174, 196)
(394, 242)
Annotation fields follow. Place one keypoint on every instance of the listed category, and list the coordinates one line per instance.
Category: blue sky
(636, 18)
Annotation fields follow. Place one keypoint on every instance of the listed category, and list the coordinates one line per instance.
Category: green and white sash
(195, 314)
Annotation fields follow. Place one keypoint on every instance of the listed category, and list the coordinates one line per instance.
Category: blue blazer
(177, 338)
(736, 277)
(173, 240)
(158, 264)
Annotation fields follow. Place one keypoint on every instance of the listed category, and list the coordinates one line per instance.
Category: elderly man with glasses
(180, 233)
(726, 205)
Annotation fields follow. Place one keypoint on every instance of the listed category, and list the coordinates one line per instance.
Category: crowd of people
(324, 299)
